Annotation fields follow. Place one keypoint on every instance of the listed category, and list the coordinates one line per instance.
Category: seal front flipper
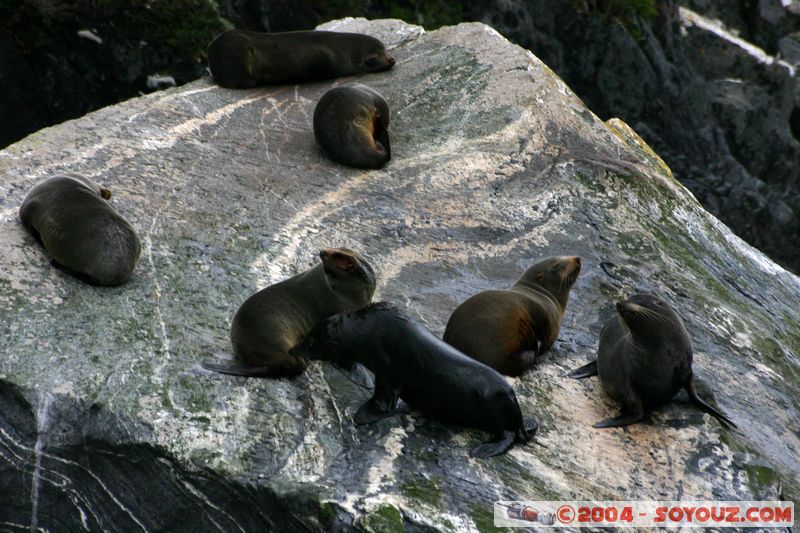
(495, 447)
(586, 371)
(698, 401)
(382, 404)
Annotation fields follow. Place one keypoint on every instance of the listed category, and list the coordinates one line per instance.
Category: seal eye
(372, 61)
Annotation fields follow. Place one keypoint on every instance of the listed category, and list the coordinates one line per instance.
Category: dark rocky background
(725, 119)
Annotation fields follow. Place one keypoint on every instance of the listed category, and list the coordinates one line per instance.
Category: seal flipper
(698, 401)
(234, 368)
(495, 447)
(382, 404)
(586, 371)
(630, 414)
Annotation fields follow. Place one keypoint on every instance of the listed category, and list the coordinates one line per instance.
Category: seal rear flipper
(625, 418)
(698, 401)
(495, 447)
(586, 371)
(234, 368)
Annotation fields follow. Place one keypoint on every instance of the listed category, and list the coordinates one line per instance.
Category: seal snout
(572, 268)
(390, 60)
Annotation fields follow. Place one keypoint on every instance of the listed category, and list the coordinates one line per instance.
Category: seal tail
(705, 407)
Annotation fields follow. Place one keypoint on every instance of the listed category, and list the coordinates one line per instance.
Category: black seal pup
(273, 320)
(644, 358)
(239, 59)
(411, 363)
(508, 329)
(82, 232)
(351, 125)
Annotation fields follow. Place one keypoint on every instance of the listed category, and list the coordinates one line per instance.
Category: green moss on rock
(427, 490)
(385, 519)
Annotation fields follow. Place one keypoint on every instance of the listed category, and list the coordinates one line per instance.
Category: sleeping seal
(239, 59)
(351, 125)
(82, 232)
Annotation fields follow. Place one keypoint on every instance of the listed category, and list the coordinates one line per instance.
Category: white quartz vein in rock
(43, 454)
(42, 426)
(691, 18)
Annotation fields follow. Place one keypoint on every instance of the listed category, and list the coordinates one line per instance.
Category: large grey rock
(107, 420)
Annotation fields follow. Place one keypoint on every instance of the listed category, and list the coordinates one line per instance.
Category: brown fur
(507, 329)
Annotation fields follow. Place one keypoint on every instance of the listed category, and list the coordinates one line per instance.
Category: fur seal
(411, 363)
(351, 123)
(82, 232)
(644, 358)
(507, 329)
(239, 59)
(273, 320)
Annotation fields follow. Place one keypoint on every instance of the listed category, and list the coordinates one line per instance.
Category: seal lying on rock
(82, 232)
(411, 363)
(351, 125)
(273, 320)
(239, 59)
(643, 360)
(507, 329)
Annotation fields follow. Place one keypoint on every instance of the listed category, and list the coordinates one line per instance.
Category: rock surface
(107, 420)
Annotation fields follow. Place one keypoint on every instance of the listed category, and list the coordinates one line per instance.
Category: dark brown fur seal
(644, 358)
(507, 329)
(82, 232)
(273, 320)
(239, 59)
(411, 363)
(351, 125)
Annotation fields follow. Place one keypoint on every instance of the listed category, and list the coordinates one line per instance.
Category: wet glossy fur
(411, 363)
